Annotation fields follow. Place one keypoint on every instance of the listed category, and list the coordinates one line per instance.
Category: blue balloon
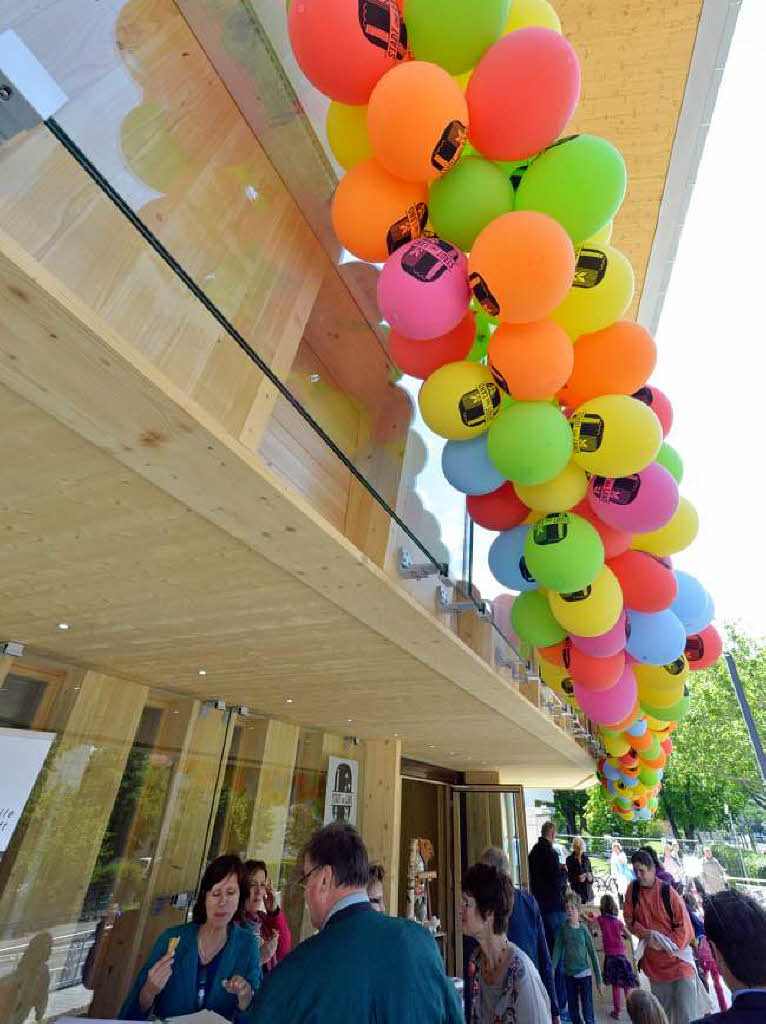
(506, 560)
(697, 625)
(629, 780)
(610, 772)
(638, 728)
(656, 639)
(467, 466)
(642, 814)
(691, 603)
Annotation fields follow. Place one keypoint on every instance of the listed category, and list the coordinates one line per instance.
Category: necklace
(207, 955)
(492, 973)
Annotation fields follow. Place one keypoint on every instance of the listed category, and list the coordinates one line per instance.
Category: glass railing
(193, 119)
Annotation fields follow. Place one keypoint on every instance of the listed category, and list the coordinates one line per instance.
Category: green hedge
(729, 856)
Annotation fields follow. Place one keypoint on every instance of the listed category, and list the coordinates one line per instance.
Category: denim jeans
(552, 921)
(580, 991)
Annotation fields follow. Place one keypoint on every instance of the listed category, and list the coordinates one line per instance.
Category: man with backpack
(656, 915)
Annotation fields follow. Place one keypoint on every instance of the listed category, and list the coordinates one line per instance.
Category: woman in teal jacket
(210, 964)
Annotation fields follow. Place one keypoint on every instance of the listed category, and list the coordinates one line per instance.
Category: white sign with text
(22, 755)
(342, 790)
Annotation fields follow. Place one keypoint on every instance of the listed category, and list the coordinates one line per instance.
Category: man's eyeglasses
(303, 880)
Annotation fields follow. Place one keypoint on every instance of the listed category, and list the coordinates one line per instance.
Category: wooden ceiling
(169, 547)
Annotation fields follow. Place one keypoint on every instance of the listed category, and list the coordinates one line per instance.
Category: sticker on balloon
(479, 405)
(382, 24)
(577, 595)
(590, 267)
(621, 490)
(675, 668)
(428, 258)
(551, 530)
(410, 226)
(483, 295)
(587, 431)
(450, 145)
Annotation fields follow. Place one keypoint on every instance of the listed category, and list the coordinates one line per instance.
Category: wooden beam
(382, 803)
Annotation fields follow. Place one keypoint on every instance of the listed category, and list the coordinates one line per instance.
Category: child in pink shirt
(618, 971)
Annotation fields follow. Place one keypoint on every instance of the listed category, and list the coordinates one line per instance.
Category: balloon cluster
(505, 297)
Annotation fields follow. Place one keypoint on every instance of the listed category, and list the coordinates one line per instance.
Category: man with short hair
(656, 915)
(375, 888)
(547, 880)
(361, 965)
(713, 874)
(735, 927)
(526, 929)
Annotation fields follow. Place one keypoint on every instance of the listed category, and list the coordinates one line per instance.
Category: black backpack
(664, 892)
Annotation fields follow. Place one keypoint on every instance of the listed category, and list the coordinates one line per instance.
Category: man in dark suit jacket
(735, 926)
(548, 881)
(361, 966)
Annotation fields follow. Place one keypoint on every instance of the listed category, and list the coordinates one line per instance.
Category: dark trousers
(580, 992)
(552, 921)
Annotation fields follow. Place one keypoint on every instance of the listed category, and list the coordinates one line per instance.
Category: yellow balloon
(529, 13)
(557, 495)
(626, 815)
(602, 236)
(346, 128)
(614, 743)
(615, 435)
(459, 400)
(462, 80)
(602, 290)
(592, 611)
(661, 686)
(533, 517)
(673, 536)
(557, 678)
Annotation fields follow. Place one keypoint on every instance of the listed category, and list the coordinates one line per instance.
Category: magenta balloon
(608, 707)
(604, 646)
(638, 503)
(423, 288)
(502, 606)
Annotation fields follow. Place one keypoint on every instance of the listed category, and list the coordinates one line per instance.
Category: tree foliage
(569, 810)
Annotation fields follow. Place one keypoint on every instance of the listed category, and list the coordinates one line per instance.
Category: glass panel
(105, 813)
(490, 819)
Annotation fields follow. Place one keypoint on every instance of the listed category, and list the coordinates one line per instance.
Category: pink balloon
(423, 289)
(502, 606)
(638, 503)
(659, 403)
(522, 93)
(608, 707)
(604, 646)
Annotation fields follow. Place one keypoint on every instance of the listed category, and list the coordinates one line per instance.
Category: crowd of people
(532, 959)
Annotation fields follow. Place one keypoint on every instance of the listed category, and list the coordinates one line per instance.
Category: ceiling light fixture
(64, 625)
(202, 672)
(289, 700)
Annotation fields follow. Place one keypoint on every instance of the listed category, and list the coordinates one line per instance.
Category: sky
(711, 344)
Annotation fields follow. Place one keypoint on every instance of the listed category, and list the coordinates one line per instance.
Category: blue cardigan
(238, 956)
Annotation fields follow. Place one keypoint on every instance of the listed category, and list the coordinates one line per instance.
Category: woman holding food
(211, 963)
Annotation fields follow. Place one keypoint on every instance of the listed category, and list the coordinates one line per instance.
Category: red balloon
(647, 584)
(667, 745)
(522, 93)
(660, 405)
(593, 673)
(629, 760)
(615, 541)
(703, 649)
(421, 358)
(499, 510)
(554, 654)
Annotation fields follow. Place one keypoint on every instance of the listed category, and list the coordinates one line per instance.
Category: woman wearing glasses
(210, 963)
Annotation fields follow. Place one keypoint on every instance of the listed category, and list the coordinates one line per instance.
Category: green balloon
(452, 33)
(668, 457)
(650, 776)
(564, 552)
(484, 329)
(675, 713)
(463, 201)
(533, 620)
(580, 182)
(530, 443)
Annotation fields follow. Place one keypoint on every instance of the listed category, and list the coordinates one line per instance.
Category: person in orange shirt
(656, 915)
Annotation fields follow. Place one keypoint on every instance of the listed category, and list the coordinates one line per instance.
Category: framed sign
(22, 755)
(342, 790)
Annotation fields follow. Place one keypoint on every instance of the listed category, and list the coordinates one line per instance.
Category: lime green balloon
(668, 457)
(579, 182)
(484, 329)
(530, 443)
(464, 200)
(452, 33)
(564, 553)
(650, 776)
(675, 713)
(533, 620)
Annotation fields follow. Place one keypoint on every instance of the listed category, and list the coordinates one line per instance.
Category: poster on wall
(342, 788)
(22, 755)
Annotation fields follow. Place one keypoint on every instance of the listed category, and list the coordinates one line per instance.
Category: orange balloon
(615, 361)
(374, 213)
(594, 673)
(521, 266)
(417, 121)
(554, 654)
(615, 541)
(640, 743)
(531, 361)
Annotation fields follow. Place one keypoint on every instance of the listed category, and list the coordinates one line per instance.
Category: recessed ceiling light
(396, 734)
(202, 672)
(289, 700)
(349, 719)
(64, 625)
(452, 753)
(432, 746)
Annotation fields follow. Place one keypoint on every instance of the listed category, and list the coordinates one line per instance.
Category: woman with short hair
(506, 987)
(210, 963)
(579, 871)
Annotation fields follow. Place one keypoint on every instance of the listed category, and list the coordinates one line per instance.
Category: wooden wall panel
(382, 800)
